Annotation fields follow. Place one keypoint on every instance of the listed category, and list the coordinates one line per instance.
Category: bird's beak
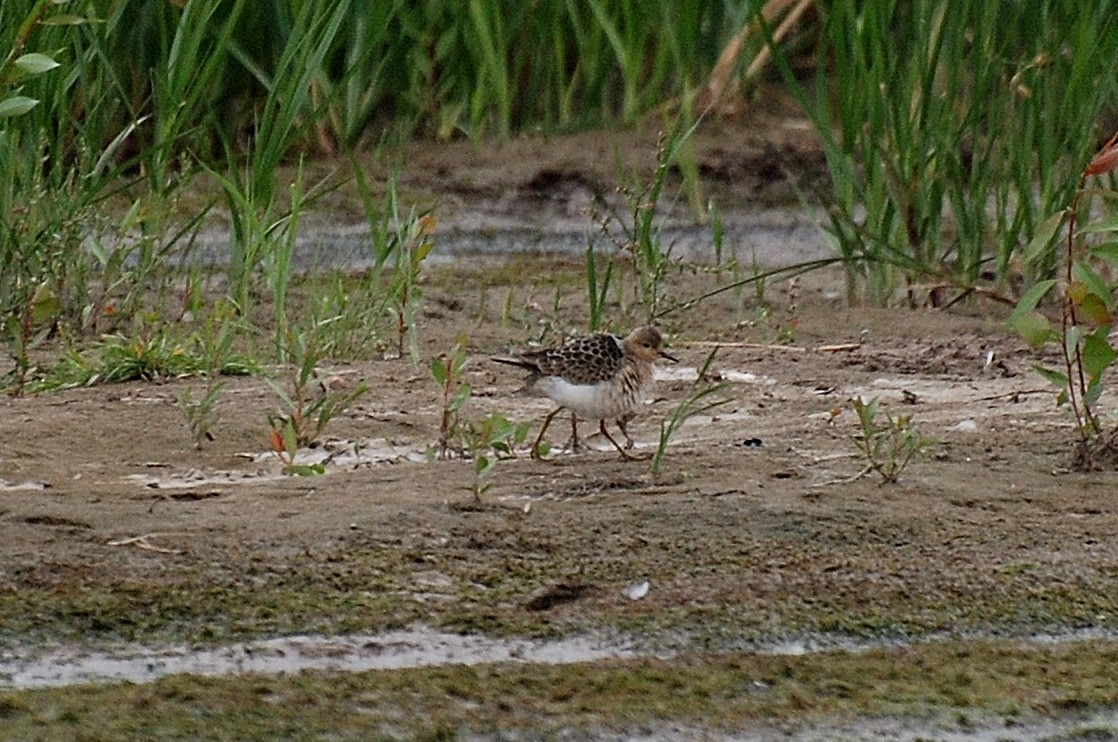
(673, 359)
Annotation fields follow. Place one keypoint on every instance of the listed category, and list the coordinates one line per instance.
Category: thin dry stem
(720, 74)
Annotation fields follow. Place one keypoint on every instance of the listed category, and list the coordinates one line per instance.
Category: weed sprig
(888, 444)
(310, 404)
(701, 398)
(1088, 302)
(485, 441)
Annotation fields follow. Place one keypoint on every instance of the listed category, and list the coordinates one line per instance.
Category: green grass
(190, 75)
(951, 132)
(962, 115)
(159, 356)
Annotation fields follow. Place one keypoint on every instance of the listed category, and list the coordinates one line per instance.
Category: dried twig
(844, 480)
(141, 542)
(755, 346)
(833, 348)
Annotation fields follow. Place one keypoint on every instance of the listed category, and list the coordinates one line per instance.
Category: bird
(596, 377)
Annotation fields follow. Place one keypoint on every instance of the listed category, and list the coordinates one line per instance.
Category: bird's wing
(585, 360)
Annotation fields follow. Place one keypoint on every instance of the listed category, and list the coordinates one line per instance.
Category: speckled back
(585, 360)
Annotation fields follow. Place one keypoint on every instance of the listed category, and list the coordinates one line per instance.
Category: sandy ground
(987, 531)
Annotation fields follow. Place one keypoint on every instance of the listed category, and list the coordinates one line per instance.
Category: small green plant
(650, 260)
(701, 398)
(201, 413)
(1088, 303)
(447, 370)
(485, 441)
(144, 357)
(215, 346)
(637, 233)
(489, 440)
(28, 328)
(400, 242)
(285, 444)
(415, 244)
(597, 289)
(788, 331)
(311, 403)
(888, 444)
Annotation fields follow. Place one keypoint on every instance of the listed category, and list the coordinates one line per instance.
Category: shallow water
(60, 666)
(765, 238)
(419, 647)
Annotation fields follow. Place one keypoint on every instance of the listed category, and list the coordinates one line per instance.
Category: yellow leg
(623, 426)
(624, 454)
(539, 438)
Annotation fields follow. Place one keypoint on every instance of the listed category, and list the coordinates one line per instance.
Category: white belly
(602, 401)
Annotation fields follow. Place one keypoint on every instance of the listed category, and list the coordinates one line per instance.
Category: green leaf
(1097, 353)
(1085, 273)
(17, 105)
(1107, 252)
(1109, 224)
(304, 470)
(867, 411)
(459, 361)
(483, 465)
(460, 397)
(421, 251)
(1033, 327)
(1053, 376)
(1043, 236)
(35, 63)
(1033, 296)
(280, 392)
(438, 371)
(45, 304)
(1071, 338)
(1094, 391)
(1095, 312)
(1076, 292)
(290, 438)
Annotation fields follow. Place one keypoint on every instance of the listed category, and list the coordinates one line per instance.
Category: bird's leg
(574, 444)
(623, 426)
(624, 454)
(539, 438)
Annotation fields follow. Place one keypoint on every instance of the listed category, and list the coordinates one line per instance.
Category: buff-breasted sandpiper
(596, 377)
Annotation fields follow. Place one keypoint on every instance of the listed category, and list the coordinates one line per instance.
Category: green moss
(493, 572)
(716, 693)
